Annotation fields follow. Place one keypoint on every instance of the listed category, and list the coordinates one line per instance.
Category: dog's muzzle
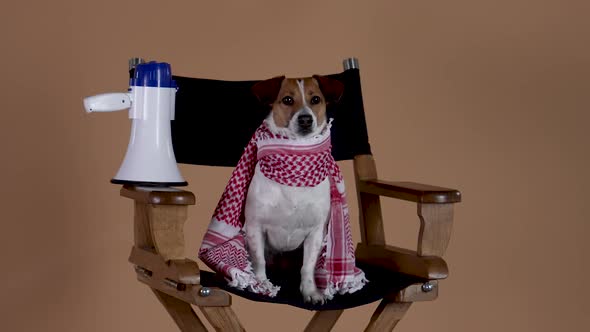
(305, 123)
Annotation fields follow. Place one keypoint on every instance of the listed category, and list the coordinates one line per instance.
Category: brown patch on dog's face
(296, 94)
(299, 104)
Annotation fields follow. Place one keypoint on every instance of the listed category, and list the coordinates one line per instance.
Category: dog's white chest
(286, 214)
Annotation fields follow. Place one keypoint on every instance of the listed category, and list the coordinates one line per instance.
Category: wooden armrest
(403, 261)
(159, 196)
(410, 191)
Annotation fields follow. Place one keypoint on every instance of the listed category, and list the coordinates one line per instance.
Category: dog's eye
(288, 100)
(315, 100)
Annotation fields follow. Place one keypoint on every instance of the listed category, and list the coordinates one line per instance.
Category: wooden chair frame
(160, 263)
(158, 253)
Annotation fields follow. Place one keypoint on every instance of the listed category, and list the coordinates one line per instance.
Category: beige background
(490, 97)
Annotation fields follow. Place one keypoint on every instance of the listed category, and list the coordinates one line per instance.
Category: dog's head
(298, 105)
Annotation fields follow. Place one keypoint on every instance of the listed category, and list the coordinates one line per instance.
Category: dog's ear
(267, 91)
(331, 88)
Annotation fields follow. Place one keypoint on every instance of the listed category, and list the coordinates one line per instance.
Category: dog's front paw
(260, 272)
(315, 297)
(310, 293)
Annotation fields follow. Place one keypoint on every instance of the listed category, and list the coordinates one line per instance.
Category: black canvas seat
(381, 283)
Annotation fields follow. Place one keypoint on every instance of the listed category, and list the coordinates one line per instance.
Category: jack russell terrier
(279, 217)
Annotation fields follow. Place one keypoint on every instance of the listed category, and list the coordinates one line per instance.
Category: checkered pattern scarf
(304, 162)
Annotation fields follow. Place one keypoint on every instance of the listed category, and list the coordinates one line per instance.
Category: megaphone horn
(150, 159)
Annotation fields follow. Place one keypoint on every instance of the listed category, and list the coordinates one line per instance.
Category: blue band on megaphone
(153, 74)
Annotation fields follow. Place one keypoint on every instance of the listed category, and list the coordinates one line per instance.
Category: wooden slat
(365, 168)
(164, 196)
(402, 261)
(167, 229)
(161, 228)
(410, 191)
(141, 226)
(370, 216)
(371, 219)
(222, 319)
(323, 321)
(387, 315)
(436, 223)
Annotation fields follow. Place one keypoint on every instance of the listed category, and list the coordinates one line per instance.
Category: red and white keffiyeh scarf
(303, 162)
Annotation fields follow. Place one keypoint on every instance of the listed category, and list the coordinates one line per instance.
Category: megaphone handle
(108, 102)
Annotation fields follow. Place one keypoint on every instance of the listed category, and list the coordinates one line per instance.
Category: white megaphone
(150, 159)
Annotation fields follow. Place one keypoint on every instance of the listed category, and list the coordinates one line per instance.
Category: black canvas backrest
(215, 119)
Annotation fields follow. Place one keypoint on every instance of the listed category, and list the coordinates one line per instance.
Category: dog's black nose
(305, 121)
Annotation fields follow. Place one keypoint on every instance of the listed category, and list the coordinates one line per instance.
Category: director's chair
(397, 277)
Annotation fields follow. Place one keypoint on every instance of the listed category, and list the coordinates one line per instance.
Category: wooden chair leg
(323, 321)
(222, 319)
(159, 242)
(387, 315)
(158, 230)
(181, 312)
